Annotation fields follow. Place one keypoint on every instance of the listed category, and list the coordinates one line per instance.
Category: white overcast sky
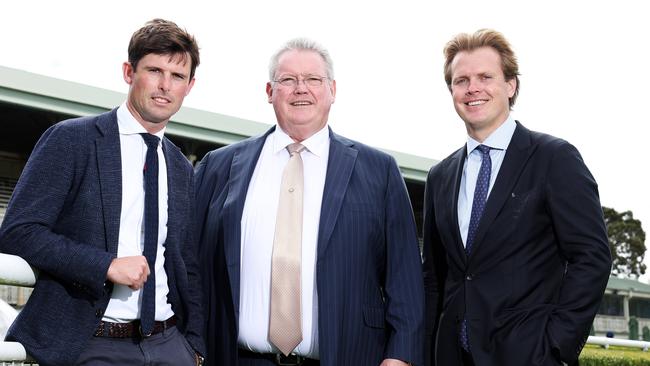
(584, 66)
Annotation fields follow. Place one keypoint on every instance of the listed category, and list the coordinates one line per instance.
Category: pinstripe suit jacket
(64, 219)
(370, 290)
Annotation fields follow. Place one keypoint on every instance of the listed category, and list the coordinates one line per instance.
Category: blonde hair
(484, 38)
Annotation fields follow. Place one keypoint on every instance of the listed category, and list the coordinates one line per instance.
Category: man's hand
(393, 362)
(129, 271)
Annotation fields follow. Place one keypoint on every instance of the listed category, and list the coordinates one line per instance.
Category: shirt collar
(499, 139)
(128, 125)
(316, 144)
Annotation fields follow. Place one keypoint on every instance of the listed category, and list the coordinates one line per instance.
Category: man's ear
(512, 86)
(127, 72)
(189, 86)
(269, 91)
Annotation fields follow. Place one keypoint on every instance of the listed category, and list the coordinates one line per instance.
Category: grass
(593, 355)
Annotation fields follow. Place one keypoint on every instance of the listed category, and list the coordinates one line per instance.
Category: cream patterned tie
(285, 330)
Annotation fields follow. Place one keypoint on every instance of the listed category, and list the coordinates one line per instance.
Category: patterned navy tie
(150, 171)
(478, 205)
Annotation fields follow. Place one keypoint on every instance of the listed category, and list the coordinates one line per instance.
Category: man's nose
(301, 86)
(473, 86)
(164, 83)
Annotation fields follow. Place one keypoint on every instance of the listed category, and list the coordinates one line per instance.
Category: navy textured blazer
(64, 218)
(539, 264)
(370, 289)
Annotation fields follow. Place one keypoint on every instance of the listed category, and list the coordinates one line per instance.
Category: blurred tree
(626, 243)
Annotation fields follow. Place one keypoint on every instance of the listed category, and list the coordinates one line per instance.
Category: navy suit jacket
(64, 219)
(539, 264)
(370, 289)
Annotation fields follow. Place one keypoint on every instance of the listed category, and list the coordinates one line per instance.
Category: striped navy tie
(478, 205)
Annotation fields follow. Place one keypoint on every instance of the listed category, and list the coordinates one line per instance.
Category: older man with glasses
(309, 244)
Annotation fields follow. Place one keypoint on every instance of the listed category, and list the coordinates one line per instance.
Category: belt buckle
(142, 334)
(291, 360)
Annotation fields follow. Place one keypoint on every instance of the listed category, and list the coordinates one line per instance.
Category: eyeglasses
(292, 81)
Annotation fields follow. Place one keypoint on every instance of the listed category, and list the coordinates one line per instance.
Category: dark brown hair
(163, 37)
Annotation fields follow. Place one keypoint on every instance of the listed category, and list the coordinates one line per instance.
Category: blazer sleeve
(194, 332)
(40, 196)
(404, 289)
(577, 219)
(434, 268)
(218, 321)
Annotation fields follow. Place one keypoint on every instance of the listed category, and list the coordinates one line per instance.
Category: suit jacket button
(99, 313)
(468, 277)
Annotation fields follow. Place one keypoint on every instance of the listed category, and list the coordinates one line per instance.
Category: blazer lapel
(109, 166)
(342, 157)
(455, 173)
(241, 170)
(174, 190)
(518, 152)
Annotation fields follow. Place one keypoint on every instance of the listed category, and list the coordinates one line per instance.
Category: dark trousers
(168, 348)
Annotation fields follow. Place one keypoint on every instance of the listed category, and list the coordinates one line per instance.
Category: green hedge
(614, 356)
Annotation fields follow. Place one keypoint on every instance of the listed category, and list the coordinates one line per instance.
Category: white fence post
(15, 271)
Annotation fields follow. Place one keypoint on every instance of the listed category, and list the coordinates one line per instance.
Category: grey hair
(302, 44)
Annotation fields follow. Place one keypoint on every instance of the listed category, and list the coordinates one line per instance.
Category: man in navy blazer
(76, 215)
(362, 291)
(516, 256)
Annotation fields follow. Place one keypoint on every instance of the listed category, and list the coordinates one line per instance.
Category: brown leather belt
(279, 359)
(132, 329)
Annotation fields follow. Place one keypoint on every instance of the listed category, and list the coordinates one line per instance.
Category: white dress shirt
(257, 232)
(498, 141)
(124, 305)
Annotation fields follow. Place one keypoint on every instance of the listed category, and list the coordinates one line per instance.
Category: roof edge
(67, 97)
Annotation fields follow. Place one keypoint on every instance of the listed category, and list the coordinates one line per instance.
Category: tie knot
(150, 140)
(295, 148)
(484, 149)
